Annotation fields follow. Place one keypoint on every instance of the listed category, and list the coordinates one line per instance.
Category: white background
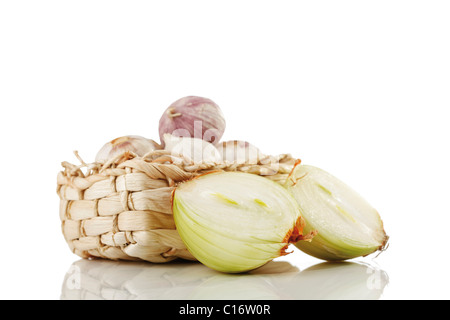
(358, 88)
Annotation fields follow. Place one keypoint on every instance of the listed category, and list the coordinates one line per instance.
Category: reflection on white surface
(277, 280)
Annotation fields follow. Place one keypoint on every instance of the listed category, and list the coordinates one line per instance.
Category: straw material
(121, 210)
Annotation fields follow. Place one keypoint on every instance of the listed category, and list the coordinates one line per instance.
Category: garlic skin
(348, 226)
(194, 117)
(133, 143)
(235, 222)
(237, 151)
(192, 149)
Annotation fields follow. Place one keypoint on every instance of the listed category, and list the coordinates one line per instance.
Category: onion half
(235, 222)
(347, 225)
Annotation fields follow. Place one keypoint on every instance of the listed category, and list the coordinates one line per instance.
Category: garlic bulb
(235, 222)
(192, 149)
(193, 117)
(239, 152)
(136, 144)
(348, 226)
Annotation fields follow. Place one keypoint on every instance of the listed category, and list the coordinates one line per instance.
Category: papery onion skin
(239, 151)
(192, 150)
(132, 143)
(328, 244)
(236, 222)
(194, 117)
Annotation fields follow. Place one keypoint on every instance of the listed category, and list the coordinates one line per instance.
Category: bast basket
(121, 210)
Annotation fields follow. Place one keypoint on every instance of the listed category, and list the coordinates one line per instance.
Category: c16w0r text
(229, 309)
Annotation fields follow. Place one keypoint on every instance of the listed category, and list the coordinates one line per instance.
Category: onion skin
(136, 144)
(325, 250)
(238, 151)
(191, 149)
(194, 117)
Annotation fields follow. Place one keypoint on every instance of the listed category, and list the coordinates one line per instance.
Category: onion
(192, 149)
(193, 117)
(136, 144)
(348, 226)
(239, 152)
(235, 222)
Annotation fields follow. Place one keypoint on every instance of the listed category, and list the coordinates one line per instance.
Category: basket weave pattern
(121, 210)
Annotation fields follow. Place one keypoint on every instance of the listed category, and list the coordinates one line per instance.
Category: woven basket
(121, 210)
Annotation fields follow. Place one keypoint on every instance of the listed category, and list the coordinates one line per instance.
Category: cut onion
(235, 222)
(347, 225)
